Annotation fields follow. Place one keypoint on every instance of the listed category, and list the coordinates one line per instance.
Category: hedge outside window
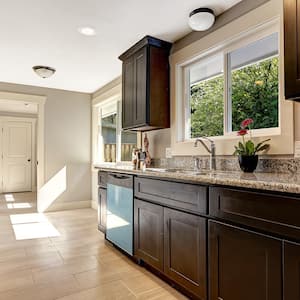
(245, 81)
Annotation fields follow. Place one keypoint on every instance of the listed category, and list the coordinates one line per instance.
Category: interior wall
(67, 141)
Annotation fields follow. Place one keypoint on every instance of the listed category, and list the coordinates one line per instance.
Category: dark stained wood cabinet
(243, 265)
(148, 233)
(102, 209)
(291, 271)
(145, 85)
(292, 49)
(185, 250)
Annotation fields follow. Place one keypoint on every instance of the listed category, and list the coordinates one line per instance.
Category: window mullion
(227, 95)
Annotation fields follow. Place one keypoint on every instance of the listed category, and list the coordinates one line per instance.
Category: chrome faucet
(211, 151)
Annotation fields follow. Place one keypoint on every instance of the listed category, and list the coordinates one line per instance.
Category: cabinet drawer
(102, 179)
(272, 212)
(178, 195)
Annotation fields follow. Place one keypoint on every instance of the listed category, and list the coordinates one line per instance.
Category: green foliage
(249, 148)
(254, 95)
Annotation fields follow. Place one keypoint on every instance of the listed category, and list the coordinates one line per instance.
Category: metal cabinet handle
(29, 160)
(120, 176)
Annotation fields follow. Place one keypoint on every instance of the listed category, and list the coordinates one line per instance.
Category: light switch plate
(297, 149)
(168, 153)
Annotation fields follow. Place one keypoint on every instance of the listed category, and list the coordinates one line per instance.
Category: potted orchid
(246, 149)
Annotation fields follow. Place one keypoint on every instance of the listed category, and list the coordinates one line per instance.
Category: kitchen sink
(179, 171)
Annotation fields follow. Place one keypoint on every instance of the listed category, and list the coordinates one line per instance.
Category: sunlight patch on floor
(18, 205)
(9, 198)
(32, 226)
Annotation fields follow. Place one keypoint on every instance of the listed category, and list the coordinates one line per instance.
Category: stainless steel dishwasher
(119, 226)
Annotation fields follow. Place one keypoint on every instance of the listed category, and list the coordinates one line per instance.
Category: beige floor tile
(108, 291)
(78, 264)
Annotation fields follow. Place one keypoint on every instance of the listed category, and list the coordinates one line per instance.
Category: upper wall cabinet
(145, 86)
(292, 49)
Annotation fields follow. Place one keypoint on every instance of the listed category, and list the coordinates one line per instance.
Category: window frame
(241, 41)
(116, 103)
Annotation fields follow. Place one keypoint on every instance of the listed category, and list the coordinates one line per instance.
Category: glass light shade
(201, 19)
(44, 71)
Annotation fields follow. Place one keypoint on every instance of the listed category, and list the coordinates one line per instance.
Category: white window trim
(282, 134)
(112, 106)
(224, 51)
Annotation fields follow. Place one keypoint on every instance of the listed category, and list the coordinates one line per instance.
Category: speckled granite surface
(268, 164)
(280, 182)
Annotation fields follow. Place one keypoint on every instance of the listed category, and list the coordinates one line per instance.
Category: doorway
(17, 154)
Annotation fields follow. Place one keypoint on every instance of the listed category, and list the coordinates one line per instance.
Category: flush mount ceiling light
(88, 31)
(202, 19)
(44, 71)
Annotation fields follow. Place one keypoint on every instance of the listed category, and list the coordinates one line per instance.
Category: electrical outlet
(168, 153)
(297, 149)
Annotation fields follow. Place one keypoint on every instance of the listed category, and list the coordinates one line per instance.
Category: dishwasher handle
(120, 180)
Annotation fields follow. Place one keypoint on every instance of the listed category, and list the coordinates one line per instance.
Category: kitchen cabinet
(145, 85)
(243, 264)
(292, 49)
(148, 230)
(102, 210)
(291, 271)
(102, 183)
(185, 250)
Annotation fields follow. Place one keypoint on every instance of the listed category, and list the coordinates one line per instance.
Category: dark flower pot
(248, 163)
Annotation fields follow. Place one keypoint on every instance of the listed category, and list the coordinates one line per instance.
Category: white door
(17, 156)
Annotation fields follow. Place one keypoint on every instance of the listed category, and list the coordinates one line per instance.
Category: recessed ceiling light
(88, 31)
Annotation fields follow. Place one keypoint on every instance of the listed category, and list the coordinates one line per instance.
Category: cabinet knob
(220, 298)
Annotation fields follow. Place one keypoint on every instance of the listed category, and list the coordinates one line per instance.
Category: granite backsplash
(269, 164)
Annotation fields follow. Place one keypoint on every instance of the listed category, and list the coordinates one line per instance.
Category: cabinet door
(292, 49)
(243, 265)
(291, 271)
(140, 100)
(102, 210)
(128, 92)
(148, 233)
(185, 250)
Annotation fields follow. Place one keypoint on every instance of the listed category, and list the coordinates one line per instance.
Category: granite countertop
(280, 182)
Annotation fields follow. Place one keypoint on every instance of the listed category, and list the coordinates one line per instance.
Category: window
(225, 88)
(114, 143)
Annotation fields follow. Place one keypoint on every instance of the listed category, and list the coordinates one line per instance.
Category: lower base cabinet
(244, 265)
(185, 250)
(291, 271)
(148, 231)
(173, 242)
(102, 210)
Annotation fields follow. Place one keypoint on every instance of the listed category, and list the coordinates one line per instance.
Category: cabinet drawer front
(179, 195)
(102, 179)
(275, 213)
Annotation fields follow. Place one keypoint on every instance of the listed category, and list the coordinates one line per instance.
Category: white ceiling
(44, 32)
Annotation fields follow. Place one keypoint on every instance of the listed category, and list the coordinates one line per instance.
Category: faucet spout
(211, 150)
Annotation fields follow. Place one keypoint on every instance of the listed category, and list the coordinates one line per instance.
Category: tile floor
(61, 255)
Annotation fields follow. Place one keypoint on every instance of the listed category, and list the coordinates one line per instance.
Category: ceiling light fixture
(202, 19)
(88, 31)
(44, 71)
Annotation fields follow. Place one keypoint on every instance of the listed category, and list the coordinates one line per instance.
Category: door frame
(40, 100)
(33, 122)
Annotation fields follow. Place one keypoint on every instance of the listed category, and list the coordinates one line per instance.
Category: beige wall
(67, 139)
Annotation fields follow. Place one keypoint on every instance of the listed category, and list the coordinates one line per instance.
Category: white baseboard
(94, 204)
(69, 205)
